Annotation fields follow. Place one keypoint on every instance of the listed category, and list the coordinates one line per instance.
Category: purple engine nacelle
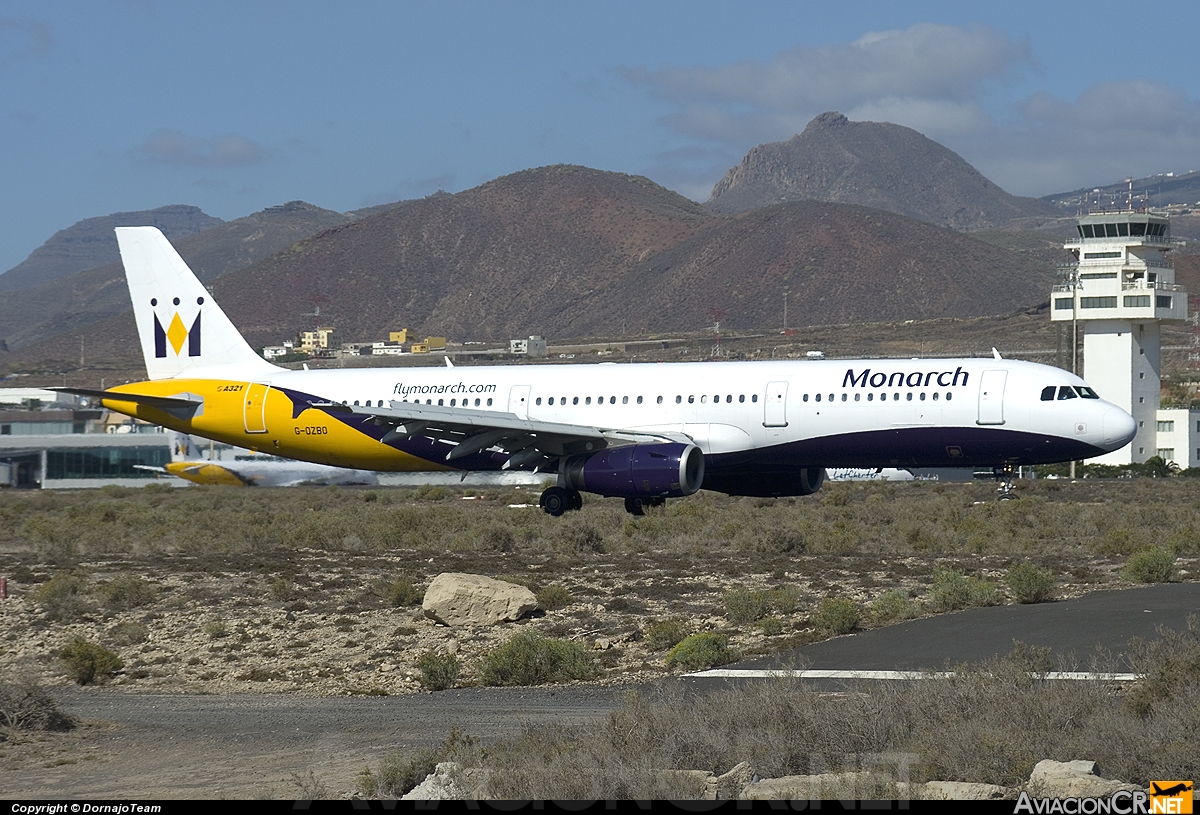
(668, 470)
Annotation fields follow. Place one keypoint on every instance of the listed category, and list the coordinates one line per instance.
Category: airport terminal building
(47, 440)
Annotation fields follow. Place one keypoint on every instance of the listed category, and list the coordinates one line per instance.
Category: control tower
(1121, 287)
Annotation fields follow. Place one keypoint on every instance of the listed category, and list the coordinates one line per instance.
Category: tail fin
(182, 329)
(183, 448)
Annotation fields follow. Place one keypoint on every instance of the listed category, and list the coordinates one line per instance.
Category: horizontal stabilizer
(165, 402)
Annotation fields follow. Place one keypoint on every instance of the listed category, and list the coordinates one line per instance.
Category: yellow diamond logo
(176, 333)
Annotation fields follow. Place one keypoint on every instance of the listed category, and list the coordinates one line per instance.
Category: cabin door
(255, 408)
(991, 397)
(775, 405)
(518, 401)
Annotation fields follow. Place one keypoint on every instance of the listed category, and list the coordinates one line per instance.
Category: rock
(965, 791)
(449, 782)
(1071, 779)
(823, 787)
(457, 599)
(729, 787)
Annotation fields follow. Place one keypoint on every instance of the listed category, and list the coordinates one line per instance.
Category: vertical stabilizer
(182, 329)
(183, 448)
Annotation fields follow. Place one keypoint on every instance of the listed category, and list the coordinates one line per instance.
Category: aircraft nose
(1119, 428)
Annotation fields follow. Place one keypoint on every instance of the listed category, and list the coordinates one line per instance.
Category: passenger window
(537, 401)
(660, 400)
(895, 397)
(922, 397)
(754, 397)
(741, 397)
(678, 399)
(452, 402)
(476, 403)
(550, 401)
(587, 401)
(639, 400)
(704, 398)
(612, 400)
(870, 397)
(844, 397)
(935, 396)
(441, 402)
(575, 401)
(857, 397)
(909, 396)
(691, 400)
(1066, 392)
(805, 399)
(1048, 393)
(818, 397)
(948, 395)
(831, 397)
(356, 402)
(728, 398)
(624, 400)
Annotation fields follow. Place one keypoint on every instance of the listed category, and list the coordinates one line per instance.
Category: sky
(122, 105)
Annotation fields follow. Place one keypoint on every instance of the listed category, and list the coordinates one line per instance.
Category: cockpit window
(1048, 393)
(1086, 392)
(1066, 392)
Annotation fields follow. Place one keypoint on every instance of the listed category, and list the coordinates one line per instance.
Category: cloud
(180, 149)
(1112, 130)
(932, 78)
(929, 74)
(21, 38)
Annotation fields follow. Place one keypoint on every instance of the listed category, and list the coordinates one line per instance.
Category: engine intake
(668, 470)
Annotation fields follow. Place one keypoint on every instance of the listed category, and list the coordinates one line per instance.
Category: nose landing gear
(1005, 475)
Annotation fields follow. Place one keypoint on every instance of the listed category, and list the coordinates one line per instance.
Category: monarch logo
(176, 333)
(1171, 797)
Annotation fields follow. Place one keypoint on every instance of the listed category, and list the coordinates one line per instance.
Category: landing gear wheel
(576, 499)
(1005, 474)
(555, 501)
(635, 506)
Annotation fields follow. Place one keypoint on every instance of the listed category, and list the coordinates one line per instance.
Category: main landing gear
(637, 506)
(557, 500)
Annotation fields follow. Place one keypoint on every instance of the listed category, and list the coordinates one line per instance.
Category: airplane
(638, 431)
(265, 471)
(1169, 792)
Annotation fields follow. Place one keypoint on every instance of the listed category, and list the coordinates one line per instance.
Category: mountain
(570, 252)
(91, 243)
(872, 164)
(71, 303)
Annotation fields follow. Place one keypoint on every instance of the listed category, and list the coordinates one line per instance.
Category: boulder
(848, 786)
(458, 599)
(965, 791)
(449, 782)
(1072, 779)
(728, 787)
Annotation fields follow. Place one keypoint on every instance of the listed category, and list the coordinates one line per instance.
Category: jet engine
(667, 470)
(772, 484)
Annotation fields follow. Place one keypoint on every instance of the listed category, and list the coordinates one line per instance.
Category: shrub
(529, 658)
(667, 633)
(1028, 583)
(953, 590)
(25, 706)
(836, 615)
(88, 662)
(552, 598)
(63, 597)
(282, 589)
(438, 671)
(770, 626)
(891, 606)
(127, 591)
(745, 606)
(1150, 565)
(129, 633)
(703, 650)
(399, 593)
(216, 629)
(401, 772)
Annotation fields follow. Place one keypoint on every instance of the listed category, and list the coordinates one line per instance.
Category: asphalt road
(249, 745)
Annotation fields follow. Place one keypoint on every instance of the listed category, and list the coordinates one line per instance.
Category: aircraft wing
(527, 441)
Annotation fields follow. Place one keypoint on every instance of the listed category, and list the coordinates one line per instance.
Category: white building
(1121, 289)
(535, 346)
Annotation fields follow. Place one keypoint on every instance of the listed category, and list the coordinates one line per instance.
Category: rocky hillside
(91, 242)
(570, 252)
(873, 164)
(74, 304)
